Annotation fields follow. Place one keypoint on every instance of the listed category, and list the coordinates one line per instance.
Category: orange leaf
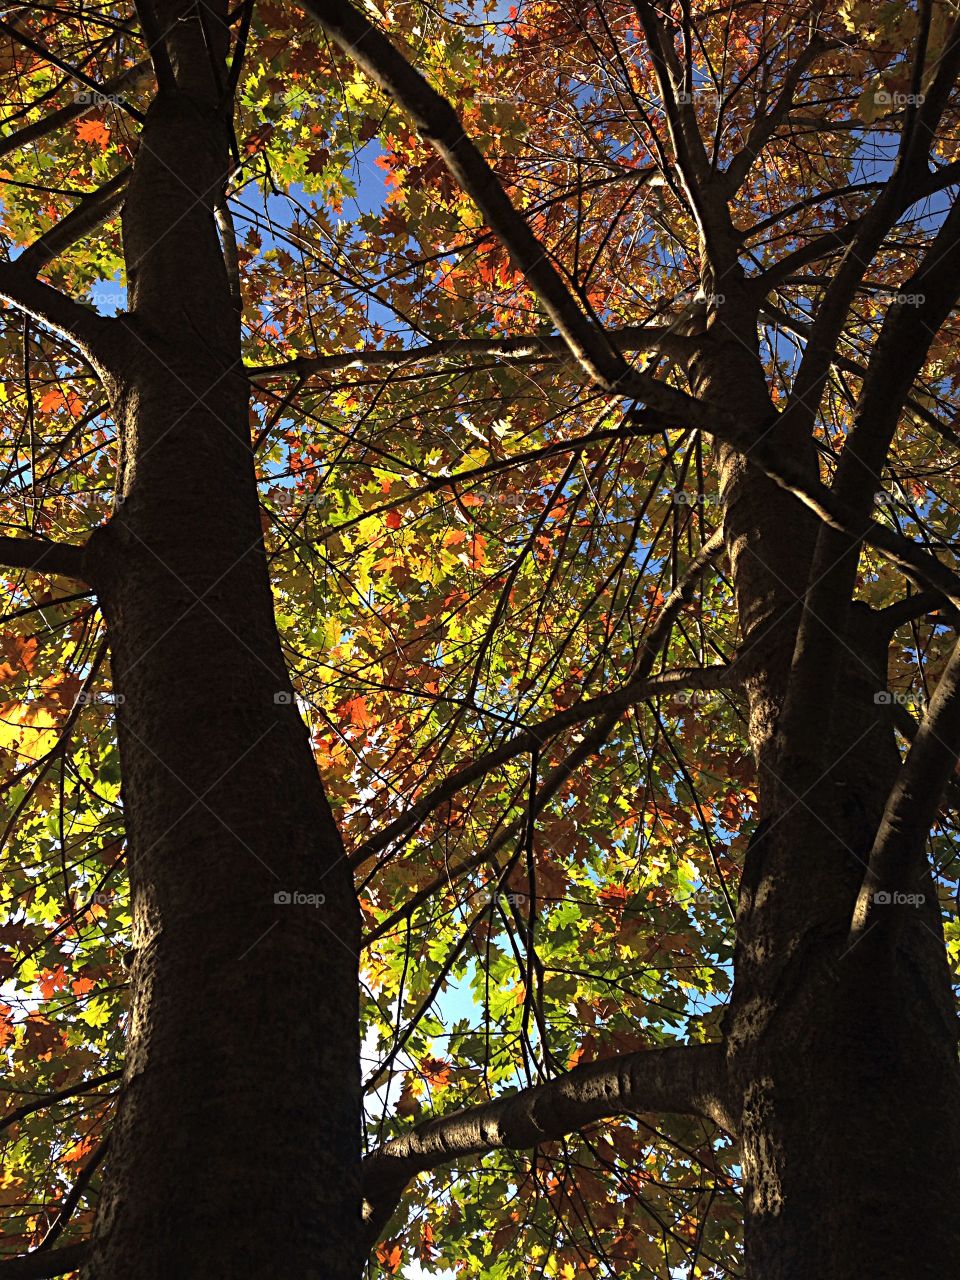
(358, 712)
(94, 131)
(52, 400)
(79, 1150)
(390, 1257)
(435, 1070)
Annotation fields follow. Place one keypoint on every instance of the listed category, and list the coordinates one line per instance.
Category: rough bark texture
(239, 1119)
(844, 1056)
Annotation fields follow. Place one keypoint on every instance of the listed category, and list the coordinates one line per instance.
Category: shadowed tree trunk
(239, 1124)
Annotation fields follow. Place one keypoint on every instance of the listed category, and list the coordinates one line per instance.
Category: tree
(498, 631)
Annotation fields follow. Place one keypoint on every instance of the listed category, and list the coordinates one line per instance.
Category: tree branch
(79, 324)
(79, 107)
(21, 38)
(45, 1263)
(42, 556)
(532, 346)
(613, 703)
(51, 1099)
(913, 803)
(652, 643)
(766, 125)
(684, 1079)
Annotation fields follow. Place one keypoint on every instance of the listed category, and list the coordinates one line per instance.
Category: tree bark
(844, 1058)
(236, 1149)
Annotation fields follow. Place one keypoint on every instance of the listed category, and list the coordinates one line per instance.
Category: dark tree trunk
(237, 1144)
(843, 1058)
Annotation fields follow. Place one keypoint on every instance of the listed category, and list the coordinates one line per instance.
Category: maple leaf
(52, 980)
(436, 1071)
(358, 713)
(390, 1256)
(94, 132)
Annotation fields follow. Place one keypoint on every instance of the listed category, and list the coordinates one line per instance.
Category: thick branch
(684, 1079)
(532, 346)
(896, 858)
(42, 556)
(45, 1263)
(79, 324)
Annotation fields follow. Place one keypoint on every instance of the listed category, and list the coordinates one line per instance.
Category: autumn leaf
(94, 132)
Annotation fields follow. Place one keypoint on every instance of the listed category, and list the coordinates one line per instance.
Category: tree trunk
(237, 1144)
(844, 1058)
